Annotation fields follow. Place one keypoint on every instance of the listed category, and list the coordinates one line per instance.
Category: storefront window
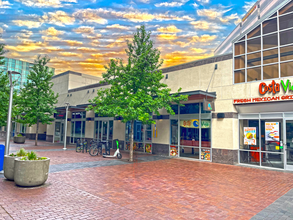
(189, 109)
(206, 133)
(76, 115)
(174, 132)
(175, 109)
(190, 152)
(189, 132)
(110, 130)
(286, 37)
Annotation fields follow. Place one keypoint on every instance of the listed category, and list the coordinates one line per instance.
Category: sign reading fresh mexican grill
(272, 88)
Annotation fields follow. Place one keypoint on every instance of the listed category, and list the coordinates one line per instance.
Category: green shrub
(12, 155)
(32, 156)
(19, 135)
(21, 153)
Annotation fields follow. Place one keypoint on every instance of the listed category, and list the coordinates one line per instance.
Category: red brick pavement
(166, 189)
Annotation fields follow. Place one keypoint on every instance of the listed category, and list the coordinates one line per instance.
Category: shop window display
(190, 152)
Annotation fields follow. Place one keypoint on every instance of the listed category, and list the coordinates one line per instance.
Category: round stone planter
(31, 172)
(19, 140)
(9, 167)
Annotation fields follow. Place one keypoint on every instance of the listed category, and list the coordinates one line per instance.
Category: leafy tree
(136, 90)
(5, 92)
(37, 97)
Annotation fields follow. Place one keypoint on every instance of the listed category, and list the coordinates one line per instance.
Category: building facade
(19, 66)
(251, 89)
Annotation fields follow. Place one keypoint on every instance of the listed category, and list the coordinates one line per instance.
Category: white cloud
(204, 1)
(117, 26)
(1, 30)
(51, 31)
(46, 3)
(5, 4)
(24, 34)
(28, 23)
(248, 5)
(172, 4)
(59, 18)
(205, 25)
(84, 30)
(89, 16)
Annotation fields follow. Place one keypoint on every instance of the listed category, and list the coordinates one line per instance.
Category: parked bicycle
(81, 146)
(95, 148)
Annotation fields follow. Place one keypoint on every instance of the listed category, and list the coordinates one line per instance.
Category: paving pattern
(153, 187)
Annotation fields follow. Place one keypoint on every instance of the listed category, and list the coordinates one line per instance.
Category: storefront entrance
(266, 140)
(104, 130)
(59, 132)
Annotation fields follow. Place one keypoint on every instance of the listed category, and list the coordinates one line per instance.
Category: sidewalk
(153, 187)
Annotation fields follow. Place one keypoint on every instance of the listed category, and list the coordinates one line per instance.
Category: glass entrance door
(59, 132)
(289, 144)
(104, 130)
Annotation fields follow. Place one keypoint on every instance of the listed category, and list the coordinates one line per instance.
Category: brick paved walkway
(85, 187)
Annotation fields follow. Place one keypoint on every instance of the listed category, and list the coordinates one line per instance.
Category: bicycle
(95, 148)
(79, 146)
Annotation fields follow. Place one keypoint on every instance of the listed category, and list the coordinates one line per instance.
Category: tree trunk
(131, 142)
(37, 134)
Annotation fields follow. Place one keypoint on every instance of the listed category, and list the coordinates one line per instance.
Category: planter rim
(11, 156)
(19, 159)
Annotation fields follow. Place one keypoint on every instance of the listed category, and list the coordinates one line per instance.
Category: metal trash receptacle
(2, 151)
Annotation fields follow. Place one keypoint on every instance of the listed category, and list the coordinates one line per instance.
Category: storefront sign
(272, 131)
(275, 87)
(249, 135)
(194, 123)
(264, 99)
(208, 106)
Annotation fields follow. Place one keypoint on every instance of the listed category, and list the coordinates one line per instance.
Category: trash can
(2, 150)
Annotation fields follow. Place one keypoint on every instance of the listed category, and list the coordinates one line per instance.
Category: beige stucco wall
(89, 129)
(76, 81)
(163, 132)
(119, 130)
(61, 84)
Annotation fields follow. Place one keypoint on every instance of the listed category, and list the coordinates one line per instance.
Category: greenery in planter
(33, 156)
(21, 153)
(19, 135)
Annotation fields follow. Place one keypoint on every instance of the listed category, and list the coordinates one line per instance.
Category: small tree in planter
(31, 170)
(9, 163)
(19, 139)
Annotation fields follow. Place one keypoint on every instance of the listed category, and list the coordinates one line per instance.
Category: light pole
(65, 135)
(7, 141)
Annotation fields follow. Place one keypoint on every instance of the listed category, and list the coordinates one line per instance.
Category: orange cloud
(169, 29)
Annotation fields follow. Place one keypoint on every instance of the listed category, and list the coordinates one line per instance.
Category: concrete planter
(19, 140)
(9, 167)
(31, 172)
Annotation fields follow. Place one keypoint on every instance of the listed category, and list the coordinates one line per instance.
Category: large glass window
(189, 109)
(269, 26)
(271, 71)
(239, 48)
(253, 59)
(206, 133)
(286, 37)
(286, 9)
(270, 41)
(239, 76)
(287, 69)
(270, 56)
(174, 132)
(239, 62)
(253, 45)
(286, 21)
(254, 33)
(189, 132)
(253, 74)
(286, 53)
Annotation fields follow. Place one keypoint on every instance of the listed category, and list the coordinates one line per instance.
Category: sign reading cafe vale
(272, 88)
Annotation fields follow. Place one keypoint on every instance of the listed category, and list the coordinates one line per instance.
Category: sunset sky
(82, 35)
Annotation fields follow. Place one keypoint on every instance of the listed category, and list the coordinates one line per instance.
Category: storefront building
(249, 83)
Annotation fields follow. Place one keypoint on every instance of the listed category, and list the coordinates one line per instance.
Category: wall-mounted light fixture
(93, 90)
(166, 76)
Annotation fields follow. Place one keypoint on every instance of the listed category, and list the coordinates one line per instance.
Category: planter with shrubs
(9, 163)
(19, 139)
(31, 170)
